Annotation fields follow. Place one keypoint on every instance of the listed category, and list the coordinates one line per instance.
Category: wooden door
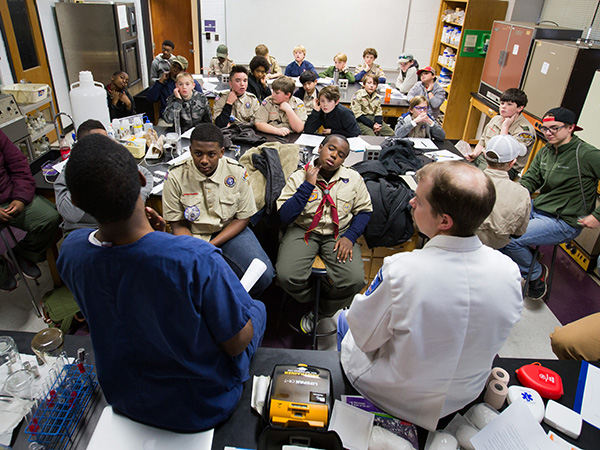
(25, 42)
(175, 24)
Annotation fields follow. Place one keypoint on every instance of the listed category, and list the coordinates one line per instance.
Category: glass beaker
(8, 351)
(48, 342)
(19, 384)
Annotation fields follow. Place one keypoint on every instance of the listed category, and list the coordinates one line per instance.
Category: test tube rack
(57, 415)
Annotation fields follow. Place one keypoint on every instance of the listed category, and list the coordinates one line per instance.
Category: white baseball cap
(504, 148)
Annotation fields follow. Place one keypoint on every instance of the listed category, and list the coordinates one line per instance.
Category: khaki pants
(294, 264)
(578, 340)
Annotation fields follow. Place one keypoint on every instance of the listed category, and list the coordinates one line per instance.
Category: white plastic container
(88, 100)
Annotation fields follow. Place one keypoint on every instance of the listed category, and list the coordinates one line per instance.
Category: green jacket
(555, 174)
(329, 73)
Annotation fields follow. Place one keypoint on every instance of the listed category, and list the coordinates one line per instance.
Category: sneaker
(10, 284)
(538, 288)
(29, 268)
(306, 322)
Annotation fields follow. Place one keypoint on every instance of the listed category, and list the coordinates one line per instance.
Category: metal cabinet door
(495, 54)
(517, 50)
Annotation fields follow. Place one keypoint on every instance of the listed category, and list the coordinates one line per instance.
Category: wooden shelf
(466, 73)
(450, 45)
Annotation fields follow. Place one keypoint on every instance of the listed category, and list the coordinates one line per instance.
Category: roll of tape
(499, 374)
(495, 394)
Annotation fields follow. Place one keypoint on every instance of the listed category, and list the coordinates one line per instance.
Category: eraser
(529, 397)
(563, 419)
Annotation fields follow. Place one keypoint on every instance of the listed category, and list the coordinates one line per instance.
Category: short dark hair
(514, 95)
(119, 72)
(168, 43)
(339, 136)
(307, 75)
(103, 178)
(330, 93)
(453, 193)
(238, 68)
(87, 126)
(259, 61)
(207, 132)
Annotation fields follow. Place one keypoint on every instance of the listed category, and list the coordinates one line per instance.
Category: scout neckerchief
(326, 188)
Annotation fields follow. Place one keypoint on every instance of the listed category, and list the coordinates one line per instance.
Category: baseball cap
(563, 115)
(504, 148)
(222, 51)
(181, 61)
(405, 57)
(426, 69)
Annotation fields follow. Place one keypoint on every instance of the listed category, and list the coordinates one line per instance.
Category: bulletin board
(324, 27)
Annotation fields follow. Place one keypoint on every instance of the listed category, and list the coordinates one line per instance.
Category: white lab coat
(422, 342)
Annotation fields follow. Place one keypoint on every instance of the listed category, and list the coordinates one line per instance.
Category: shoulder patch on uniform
(313, 196)
(217, 98)
(245, 176)
(247, 105)
(525, 135)
(375, 283)
(264, 102)
(230, 181)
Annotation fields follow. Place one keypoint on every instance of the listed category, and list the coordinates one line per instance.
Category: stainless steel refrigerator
(100, 37)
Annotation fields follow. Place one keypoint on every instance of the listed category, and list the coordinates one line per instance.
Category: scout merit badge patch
(313, 196)
(191, 213)
(230, 181)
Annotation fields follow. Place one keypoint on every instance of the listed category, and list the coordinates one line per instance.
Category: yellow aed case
(300, 396)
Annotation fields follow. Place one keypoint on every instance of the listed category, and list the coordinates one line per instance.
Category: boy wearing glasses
(509, 121)
(566, 171)
(417, 123)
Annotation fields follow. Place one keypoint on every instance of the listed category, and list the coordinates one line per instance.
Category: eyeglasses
(420, 108)
(550, 129)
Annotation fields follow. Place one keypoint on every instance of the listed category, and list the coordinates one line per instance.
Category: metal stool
(550, 272)
(11, 256)
(318, 273)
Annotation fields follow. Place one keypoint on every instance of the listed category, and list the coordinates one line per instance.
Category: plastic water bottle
(65, 148)
(88, 100)
(336, 76)
(137, 126)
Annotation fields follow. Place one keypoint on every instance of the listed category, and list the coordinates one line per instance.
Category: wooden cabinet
(465, 71)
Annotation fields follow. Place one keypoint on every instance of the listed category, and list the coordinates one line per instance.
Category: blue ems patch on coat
(375, 283)
(230, 181)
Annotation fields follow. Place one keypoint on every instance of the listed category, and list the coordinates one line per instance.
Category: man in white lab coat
(422, 338)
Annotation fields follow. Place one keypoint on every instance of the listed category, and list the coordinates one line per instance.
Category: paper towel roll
(499, 374)
(495, 394)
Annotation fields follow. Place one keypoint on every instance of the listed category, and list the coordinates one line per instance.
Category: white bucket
(88, 100)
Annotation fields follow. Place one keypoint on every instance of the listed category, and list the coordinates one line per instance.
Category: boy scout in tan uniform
(270, 112)
(208, 203)
(297, 251)
(369, 105)
(521, 129)
(375, 70)
(243, 109)
(275, 70)
(220, 64)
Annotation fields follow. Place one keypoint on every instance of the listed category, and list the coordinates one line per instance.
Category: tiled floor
(574, 294)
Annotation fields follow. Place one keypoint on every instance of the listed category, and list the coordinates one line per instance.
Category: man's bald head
(461, 191)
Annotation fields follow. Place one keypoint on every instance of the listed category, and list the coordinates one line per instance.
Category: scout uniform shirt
(208, 203)
(366, 104)
(274, 69)
(217, 68)
(521, 129)
(270, 113)
(309, 101)
(349, 194)
(375, 70)
(243, 109)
